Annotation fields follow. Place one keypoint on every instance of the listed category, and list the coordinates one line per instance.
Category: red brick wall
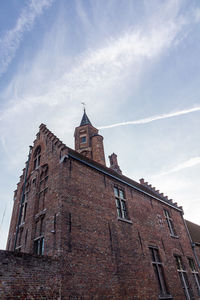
(101, 257)
(110, 258)
(23, 276)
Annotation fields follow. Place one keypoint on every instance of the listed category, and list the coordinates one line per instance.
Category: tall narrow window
(37, 156)
(158, 269)
(183, 277)
(43, 188)
(170, 222)
(38, 247)
(195, 273)
(120, 203)
(24, 204)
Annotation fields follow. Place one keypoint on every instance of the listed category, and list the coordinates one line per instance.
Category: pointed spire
(85, 120)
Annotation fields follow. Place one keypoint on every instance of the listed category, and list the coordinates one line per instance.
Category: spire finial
(85, 120)
(84, 106)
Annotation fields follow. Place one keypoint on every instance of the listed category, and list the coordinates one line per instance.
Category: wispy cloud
(192, 162)
(96, 69)
(10, 42)
(153, 118)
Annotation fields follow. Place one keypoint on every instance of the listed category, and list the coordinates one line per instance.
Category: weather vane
(84, 105)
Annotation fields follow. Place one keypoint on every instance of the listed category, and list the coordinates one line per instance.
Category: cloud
(10, 42)
(192, 162)
(153, 118)
(197, 15)
(95, 69)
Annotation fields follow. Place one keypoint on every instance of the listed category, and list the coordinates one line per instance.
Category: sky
(134, 63)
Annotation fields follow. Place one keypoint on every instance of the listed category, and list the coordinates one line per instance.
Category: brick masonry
(91, 252)
(23, 276)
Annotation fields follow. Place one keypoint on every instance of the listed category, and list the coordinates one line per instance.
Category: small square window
(83, 139)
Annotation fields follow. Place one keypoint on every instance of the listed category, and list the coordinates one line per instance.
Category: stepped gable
(51, 136)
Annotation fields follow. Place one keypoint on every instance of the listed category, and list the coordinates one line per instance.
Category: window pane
(179, 263)
(83, 139)
(125, 215)
(171, 227)
(152, 254)
(123, 205)
(41, 246)
(119, 212)
(192, 264)
(157, 256)
(162, 280)
(118, 203)
(121, 194)
(158, 269)
(116, 191)
(157, 276)
(166, 214)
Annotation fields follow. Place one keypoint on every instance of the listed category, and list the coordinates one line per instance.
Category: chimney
(114, 164)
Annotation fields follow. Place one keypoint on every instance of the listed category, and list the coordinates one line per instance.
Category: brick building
(97, 233)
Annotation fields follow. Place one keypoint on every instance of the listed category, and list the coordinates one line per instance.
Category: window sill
(165, 297)
(43, 212)
(18, 249)
(125, 220)
(21, 225)
(174, 236)
(39, 237)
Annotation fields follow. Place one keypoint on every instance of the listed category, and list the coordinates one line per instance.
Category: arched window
(37, 155)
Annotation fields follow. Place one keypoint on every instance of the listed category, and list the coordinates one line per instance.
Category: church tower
(88, 142)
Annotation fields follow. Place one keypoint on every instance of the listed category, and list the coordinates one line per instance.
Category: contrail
(194, 161)
(153, 118)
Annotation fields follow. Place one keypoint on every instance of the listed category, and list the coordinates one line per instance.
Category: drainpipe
(22, 198)
(192, 243)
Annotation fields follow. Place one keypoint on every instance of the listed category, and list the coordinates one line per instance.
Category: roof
(85, 120)
(146, 189)
(194, 230)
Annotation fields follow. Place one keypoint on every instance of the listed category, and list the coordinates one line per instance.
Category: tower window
(183, 277)
(120, 203)
(158, 269)
(83, 139)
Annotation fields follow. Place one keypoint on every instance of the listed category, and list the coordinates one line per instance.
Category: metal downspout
(22, 198)
(192, 243)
